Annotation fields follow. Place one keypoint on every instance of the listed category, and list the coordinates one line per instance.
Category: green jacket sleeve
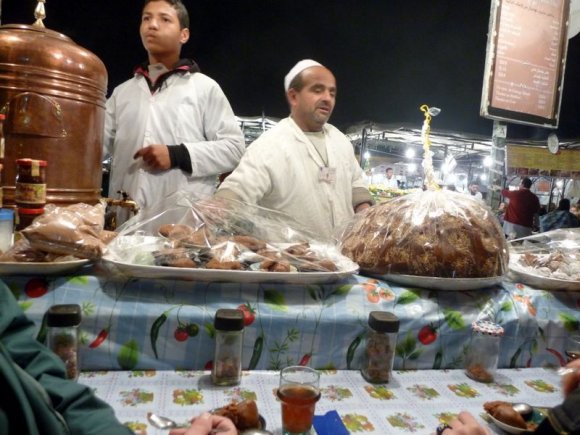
(36, 379)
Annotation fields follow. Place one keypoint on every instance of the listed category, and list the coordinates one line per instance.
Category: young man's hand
(155, 157)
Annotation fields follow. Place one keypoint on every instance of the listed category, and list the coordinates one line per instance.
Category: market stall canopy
(254, 126)
(395, 139)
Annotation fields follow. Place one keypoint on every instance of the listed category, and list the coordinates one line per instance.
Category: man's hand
(155, 157)
(205, 424)
(464, 424)
(571, 381)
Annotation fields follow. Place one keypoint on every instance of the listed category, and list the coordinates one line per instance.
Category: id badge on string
(327, 175)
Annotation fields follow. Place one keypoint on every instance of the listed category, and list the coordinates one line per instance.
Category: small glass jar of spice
(62, 323)
(483, 353)
(229, 338)
(30, 190)
(379, 350)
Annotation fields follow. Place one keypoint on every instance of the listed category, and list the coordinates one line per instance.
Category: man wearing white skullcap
(303, 166)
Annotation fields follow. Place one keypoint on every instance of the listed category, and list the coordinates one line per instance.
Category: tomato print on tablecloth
(136, 396)
(357, 423)
(407, 422)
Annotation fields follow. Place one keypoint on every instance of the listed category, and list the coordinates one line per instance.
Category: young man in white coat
(303, 166)
(170, 127)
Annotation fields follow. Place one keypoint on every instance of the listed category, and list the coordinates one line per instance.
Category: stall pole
(363, 147)
(495, 180)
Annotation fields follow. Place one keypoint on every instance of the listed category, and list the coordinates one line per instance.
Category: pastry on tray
(243, 414)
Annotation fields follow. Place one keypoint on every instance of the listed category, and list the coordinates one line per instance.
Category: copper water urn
(53, 94)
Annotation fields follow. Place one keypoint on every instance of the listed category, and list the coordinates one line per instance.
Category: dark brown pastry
(324, 265)
(175, 231)
(275, 266)
(223, 265)
(244, 414)
(249, 242)
(504, 412)
(298, 250)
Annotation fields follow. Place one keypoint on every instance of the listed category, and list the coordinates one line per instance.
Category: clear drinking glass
(572, 348)
(299, 391)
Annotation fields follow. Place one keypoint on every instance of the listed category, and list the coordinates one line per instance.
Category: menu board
(526, 52)
(535, 161)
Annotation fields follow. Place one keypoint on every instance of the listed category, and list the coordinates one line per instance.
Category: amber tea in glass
(298, 393)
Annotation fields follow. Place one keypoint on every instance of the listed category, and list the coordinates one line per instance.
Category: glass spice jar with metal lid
(229, 338)
(379, 349)
(30, 183)
(62, 323)
(483, 352)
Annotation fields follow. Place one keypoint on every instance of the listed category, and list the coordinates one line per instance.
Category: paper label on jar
(1, 148)
(30, 193)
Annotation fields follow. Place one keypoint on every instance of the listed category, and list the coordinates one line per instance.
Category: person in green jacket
(35, 396)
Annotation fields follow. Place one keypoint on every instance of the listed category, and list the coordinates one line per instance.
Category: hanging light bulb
(487, 161)
(410, 153)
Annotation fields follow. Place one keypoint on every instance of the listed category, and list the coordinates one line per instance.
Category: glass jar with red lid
(30, 190)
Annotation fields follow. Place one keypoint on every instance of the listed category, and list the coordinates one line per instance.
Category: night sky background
(389, 56)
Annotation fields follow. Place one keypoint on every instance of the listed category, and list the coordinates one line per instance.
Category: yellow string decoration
(427, 163)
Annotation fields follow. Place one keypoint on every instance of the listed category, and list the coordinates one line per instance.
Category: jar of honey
(30, 190)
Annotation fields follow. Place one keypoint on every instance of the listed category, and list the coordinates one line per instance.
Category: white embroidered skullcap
(297, 69)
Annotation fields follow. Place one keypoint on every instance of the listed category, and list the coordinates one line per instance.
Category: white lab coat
(190, 109)
(280, 171)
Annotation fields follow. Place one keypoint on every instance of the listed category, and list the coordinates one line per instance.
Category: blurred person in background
(523, 206)
(559, 218)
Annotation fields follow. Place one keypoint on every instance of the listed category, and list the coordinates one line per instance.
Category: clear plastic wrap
(73, 230)
(431, 234)
(549, 260)
(222, 235)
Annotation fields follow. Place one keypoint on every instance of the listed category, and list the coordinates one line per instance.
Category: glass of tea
(299, 391)
(572, 348)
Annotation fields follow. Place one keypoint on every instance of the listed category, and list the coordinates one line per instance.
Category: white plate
(151, 243)
(506, 427)
(520, 273)
(242, 276)
(435, 283)
(41, 268)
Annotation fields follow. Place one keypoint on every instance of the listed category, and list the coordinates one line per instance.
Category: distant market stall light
(483, 177)
(410, 153)
(487, 161)
(367, 155)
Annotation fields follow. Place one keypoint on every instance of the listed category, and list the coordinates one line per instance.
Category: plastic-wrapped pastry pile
(432, 233)
(62, 234)
(553, 254)
(222, 235)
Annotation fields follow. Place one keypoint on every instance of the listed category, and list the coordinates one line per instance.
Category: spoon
(525, 410)
(161, 422)
(166, 423)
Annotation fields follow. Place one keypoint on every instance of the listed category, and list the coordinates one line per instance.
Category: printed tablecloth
(164, 324)
(413, 402)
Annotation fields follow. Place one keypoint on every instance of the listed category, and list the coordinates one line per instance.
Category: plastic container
(379, 348)
(483, 353)
(6, 229)
(30, 183)
(229, 338)
(63, 335)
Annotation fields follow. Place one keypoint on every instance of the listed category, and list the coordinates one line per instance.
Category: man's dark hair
(179, 7)
(527, 183)
(388, 169)
(564, 204)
